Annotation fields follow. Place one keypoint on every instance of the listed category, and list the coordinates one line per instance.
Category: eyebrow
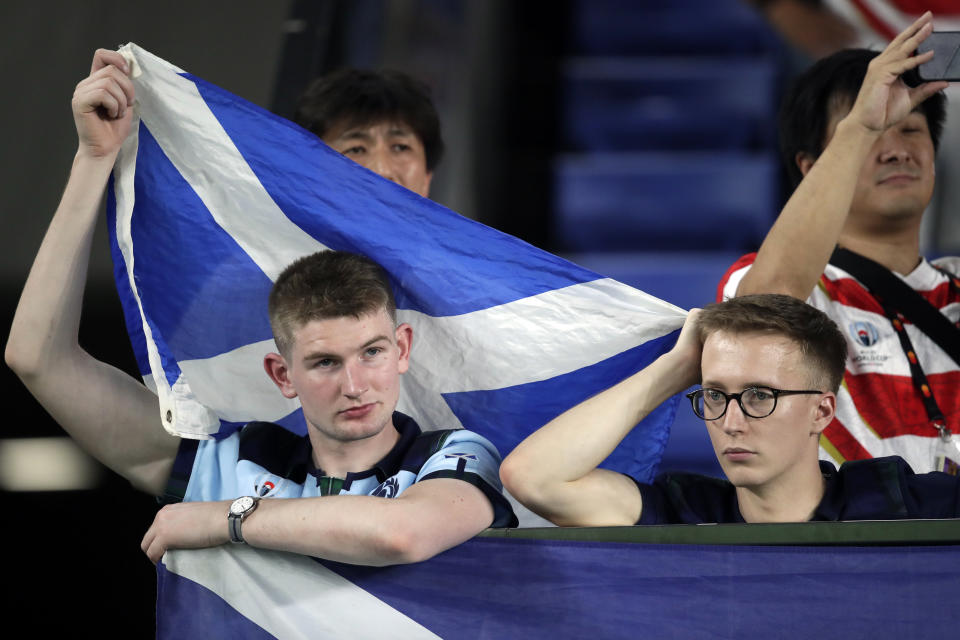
(372, 341)
(318, 355)
(361, 133)
(717, 385)
(354, 134)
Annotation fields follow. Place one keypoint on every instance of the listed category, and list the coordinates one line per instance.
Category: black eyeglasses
(756, 402)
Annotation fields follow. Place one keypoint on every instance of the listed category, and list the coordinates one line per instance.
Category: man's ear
(824, 412)
(804, 162)
(404, 336)
(276, 367)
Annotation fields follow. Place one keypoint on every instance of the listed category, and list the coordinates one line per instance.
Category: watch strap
(234, 525)
(235, 520)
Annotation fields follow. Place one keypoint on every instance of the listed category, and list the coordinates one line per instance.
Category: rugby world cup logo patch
(264, 485)
(864, 333)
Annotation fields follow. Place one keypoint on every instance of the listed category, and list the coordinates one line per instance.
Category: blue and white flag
(212, 197)
(494, 588)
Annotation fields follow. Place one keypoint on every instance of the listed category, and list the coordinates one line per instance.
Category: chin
(740, 476)
(354, 435)
(352, 431)
(368, 430)
(903, 208)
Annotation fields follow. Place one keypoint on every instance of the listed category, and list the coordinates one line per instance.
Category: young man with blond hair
(769, 366)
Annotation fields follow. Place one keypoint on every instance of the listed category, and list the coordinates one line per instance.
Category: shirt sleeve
(653, 509)
(470, 457)
(203, 470)
(727, 288)
(687, 498)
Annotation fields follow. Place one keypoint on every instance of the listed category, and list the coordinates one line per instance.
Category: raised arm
(554, 471)
(812, 27)
(429, 517)
(798, 246)
(111, 415)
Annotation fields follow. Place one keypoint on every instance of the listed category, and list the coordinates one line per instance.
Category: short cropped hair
(818, 337)
(359, 97)
(834, 82)
(324, 285)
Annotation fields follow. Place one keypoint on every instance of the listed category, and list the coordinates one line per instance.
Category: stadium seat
(663, 201)
(616, 104)
(686, 279)
(668, 27)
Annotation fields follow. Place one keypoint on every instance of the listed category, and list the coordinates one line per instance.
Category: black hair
(835, 82)
(358, 97)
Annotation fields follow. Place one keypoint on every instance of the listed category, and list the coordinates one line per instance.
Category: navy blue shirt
(875, 489)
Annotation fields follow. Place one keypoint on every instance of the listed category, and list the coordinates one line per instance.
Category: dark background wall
(47, 48)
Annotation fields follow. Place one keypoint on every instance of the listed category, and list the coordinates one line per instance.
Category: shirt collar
(389, 465)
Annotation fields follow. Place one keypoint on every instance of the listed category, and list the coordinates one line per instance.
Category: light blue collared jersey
(264, 459)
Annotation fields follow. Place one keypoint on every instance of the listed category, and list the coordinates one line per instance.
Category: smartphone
(945, 64)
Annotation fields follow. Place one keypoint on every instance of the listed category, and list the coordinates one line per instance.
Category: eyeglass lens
(756, 402)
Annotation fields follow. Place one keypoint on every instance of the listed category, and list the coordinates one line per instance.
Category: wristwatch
(239, 510)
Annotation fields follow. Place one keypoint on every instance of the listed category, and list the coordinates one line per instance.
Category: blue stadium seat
(656, 103)
(668, 27)
(664, 201)
(686, 279)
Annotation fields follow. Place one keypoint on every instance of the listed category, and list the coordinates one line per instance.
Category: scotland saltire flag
(496, 588)
(212, 197)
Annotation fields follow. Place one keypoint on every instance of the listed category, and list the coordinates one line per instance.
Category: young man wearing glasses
(770, 366)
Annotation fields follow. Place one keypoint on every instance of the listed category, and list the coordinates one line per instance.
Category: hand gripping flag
(212, 197)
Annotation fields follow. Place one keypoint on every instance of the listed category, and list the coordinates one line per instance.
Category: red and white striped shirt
(877, 22)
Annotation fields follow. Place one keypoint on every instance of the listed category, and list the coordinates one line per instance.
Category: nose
(733, 421)
(382, 164)
(353, 383)
(892, 147)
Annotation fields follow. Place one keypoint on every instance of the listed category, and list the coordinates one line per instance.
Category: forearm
(813, 28)
(429, 517)
(566, 450)
(798, 246)
(354, 529)
(45, 325)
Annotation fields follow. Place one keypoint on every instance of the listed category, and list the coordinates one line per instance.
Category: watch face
(241, 504)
